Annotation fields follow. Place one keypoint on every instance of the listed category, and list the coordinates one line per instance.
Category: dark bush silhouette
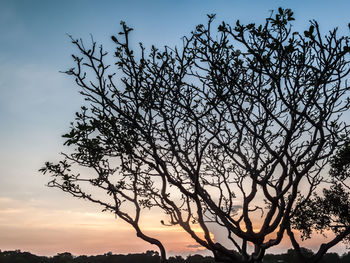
(21, 257)
(25, 257)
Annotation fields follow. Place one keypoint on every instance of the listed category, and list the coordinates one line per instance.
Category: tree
(233, 130)
(331, 211)
(64, 257)
(345, 257)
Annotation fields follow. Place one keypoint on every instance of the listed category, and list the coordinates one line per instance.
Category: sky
(37, 104)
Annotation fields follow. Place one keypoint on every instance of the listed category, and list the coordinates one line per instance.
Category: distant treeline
(150, 256)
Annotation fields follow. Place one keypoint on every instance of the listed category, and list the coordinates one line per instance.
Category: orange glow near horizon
(48, 232)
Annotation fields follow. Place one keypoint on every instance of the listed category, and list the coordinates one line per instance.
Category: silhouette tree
(233, 130)
(329, 212)
(345, 258)
(64, 257)
(18, 257)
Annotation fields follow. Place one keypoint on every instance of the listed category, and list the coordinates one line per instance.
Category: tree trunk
(152, 241)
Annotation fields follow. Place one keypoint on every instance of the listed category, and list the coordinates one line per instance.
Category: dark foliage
(17, 256)
(148, 257)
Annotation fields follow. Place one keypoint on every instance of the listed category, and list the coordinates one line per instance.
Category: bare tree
(233, 130)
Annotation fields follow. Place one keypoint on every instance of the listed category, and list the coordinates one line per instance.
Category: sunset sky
(37, 104)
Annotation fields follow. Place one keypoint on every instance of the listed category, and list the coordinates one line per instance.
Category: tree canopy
(232, 130)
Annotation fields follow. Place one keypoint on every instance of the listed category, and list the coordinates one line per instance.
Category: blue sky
(37, 102)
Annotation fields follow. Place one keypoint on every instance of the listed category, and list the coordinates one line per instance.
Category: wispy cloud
(194, 246)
